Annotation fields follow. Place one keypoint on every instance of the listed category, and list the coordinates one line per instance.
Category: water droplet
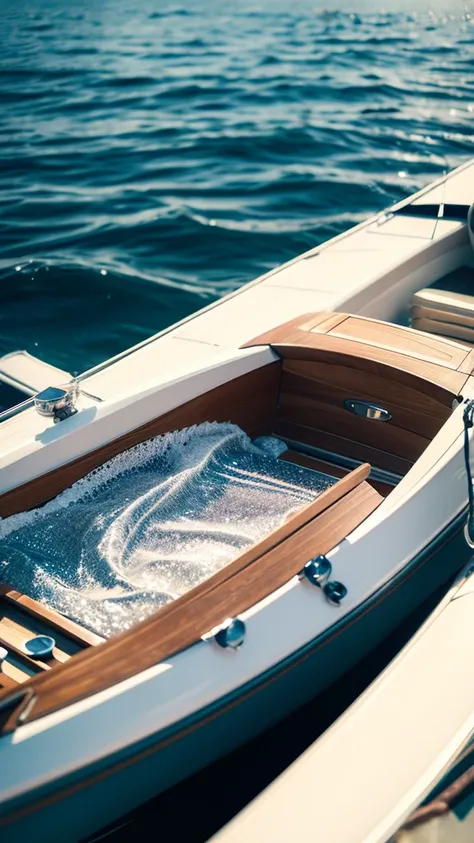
(212, 222)
(18, 268)
(402, 174)
(103, 272)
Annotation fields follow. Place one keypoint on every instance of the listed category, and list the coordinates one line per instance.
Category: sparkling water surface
(155, 155)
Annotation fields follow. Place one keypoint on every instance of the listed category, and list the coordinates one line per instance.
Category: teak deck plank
(56, 621)
(384, 436)
(301, 434)
(13, 672)
(334, 383)
(364, 348)
(230, 592)
(402, 340)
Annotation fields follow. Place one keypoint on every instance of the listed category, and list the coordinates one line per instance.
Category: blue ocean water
(155, 156)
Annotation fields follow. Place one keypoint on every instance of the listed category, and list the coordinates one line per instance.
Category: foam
(152, 523)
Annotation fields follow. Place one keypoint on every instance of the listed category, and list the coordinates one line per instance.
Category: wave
(186, 151)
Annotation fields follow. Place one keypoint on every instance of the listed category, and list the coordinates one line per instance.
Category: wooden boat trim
(249, 400)
(272, 676)
(58, 622)
(310, 338)
(230, 592)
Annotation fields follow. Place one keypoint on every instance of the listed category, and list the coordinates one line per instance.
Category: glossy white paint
(38, 445)
(368, 270)
(127, 713)
(364, 776)
(30, 374)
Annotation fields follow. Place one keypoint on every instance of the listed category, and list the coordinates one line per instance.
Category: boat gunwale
(141, 749)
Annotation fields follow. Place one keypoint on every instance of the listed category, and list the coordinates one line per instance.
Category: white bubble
(402, 174)
(103, 272)
(18, 268)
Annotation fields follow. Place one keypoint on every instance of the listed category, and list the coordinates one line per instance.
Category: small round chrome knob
(232, 635)
(335, 591)
(56, 402)
(40, 647)
(317, 570)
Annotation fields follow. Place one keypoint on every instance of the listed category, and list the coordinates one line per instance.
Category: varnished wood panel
(402, 340)
(13, 672)
(183, 622)
(433, 379)
(440, 383)
(316, 464)
(6, 682)
(332, 381)
(249, 401)
(305, 400)
(339, 445)
(53, 619)
(299, 519)
(13, 637)
(290, 332)
(384, 436)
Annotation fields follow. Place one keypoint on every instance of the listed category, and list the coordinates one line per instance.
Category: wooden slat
(320, 400)
(180, 624)
(388, 337)
(7, 683)
(14, 672)
(9, 640)
(339, 445)
(333, 382)
(17, 635)
(291, 331)
(316, 464)
(439, 382)
(56, 621)
(384, 436)
(400, 363)
(249, 401)
(467, 365)
(303, 516)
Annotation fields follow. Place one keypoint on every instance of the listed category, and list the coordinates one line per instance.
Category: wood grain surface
(180, 624)
(249, 401)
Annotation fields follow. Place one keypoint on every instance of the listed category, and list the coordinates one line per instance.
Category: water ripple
(185, 150)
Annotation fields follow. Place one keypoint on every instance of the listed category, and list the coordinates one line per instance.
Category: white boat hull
(96, 797)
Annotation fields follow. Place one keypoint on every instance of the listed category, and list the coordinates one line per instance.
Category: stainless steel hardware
(368, 411)
(57, 402)
(317, 571)
(231, 634)
(40, 647)
(334, 592)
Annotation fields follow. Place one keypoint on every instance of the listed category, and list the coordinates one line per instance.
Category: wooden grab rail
(254, 575)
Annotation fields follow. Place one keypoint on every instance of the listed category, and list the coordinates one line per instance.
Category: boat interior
(352, 398)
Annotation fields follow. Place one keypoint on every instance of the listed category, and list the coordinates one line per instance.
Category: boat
(407, 739)
(328, 433)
